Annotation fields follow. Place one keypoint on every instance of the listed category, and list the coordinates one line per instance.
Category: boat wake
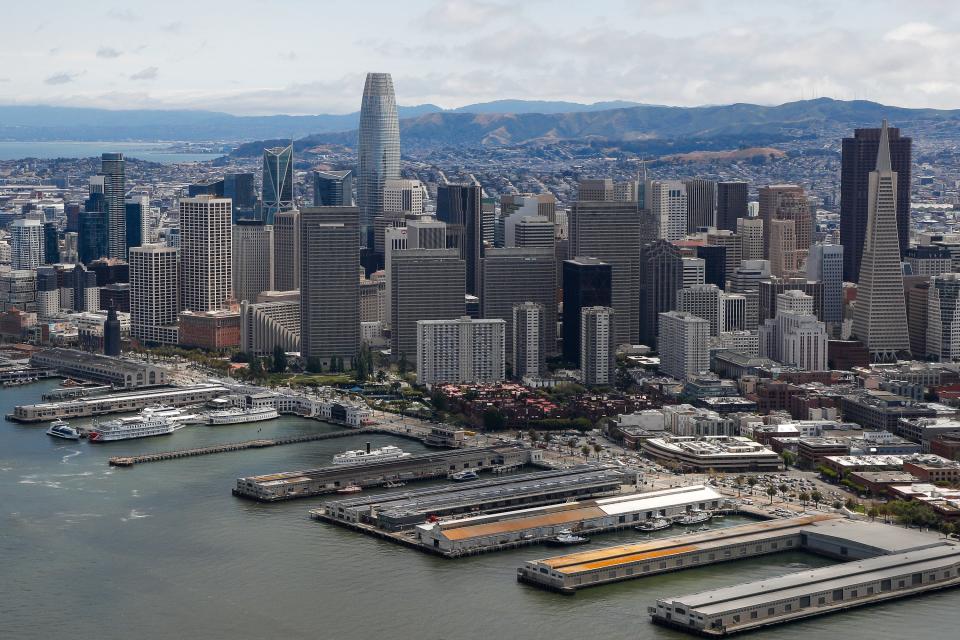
(135, 515)
(70, 455)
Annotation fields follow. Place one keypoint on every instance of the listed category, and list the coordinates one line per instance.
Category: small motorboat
(350, 488)
(566, 538)
(464, 476)
(654, 525)
(60, 429)
(394, 484)
(694, 517)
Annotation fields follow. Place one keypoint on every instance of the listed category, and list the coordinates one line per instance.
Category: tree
(395, 388)
(256, 369)
(314, 365)
(493, 420)
(948, 529)
(279, 364)
(817, 498)
(783, 488)
(533, 435)
(361, 369)
(597, 448)
(771, 491)
(837, 504)
(788, 458)
(873, 512)
(585, 450)
(402, 364)
(804, 497)
(752, 482)
(572, 442)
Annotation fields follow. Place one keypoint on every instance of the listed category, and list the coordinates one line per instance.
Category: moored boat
(143, 425)
(464, 476)
(358, 456)
(566, 538)
(694, 517)
(240, 415)
(654, 525)
(60, 429)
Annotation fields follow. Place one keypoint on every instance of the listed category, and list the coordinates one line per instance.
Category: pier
(314, 482)
(129, 461)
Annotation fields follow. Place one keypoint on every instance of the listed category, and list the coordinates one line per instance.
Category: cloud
(464, 13)
(61, 78)
(108, 52)
(150, 73)
(172, 27)
(4, 79)
(122, 14)
(289, 55)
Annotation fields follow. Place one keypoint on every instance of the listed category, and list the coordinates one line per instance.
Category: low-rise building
(717, 453)
(120, 372)
(211, 330)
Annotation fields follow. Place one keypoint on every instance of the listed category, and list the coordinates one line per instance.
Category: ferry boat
(350, 488)
(464, 476)
(566, 538)
(360, 456)
(694, 517)
(654, 525)
(60, 429)
(177, 416)
(239, 416)
(144, 425)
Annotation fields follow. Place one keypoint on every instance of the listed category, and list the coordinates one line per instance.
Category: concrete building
(880, 317)
(266, 325)
(529, 355)
(512, 276)
(943, 318)
(595, 190)
(460, 351)
(286, 250)
(733, 244)
(694, 271)
(598, 349)
(825, 263)
(403, 196)
(750, 231)
(206, 255)
(26, 244)
(120, 372)
(682, 344)
(610, 231)
(928, 260)
(667, 201)
(703, 301)
(424, 232)
(154, 294)
(329, 283)
(425, 284)
(783, 248)
(784, 202)
(211, 330)
(253, 259)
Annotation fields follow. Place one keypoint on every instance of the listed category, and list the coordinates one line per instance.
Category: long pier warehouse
(404, 510)
(117, 403)
(313, 482)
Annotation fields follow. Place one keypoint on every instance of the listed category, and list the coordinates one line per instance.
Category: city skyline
(146, 61)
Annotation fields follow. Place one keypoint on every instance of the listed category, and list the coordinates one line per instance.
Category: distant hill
(39, 122)
(648, 128)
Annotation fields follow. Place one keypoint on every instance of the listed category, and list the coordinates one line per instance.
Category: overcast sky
(310, 56)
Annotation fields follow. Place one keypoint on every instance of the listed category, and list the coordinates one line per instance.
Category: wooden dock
(129, 461)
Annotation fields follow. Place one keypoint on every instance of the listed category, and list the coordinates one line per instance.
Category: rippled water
(164, 551)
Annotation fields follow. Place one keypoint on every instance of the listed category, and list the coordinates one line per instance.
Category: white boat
(694, 517)
(239, 415)
(60, 429)
(350, 488)
(654, 525)
(566, 538)
(464, 476)
(360, 456)
(177, 416)
(144, 425)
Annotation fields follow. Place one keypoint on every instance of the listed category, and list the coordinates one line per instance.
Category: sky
(260, 57)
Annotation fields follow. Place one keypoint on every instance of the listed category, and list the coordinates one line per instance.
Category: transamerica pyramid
(880, 317)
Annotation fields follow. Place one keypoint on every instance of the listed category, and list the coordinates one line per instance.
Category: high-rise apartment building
(795, 337)
(731, 204)
(330, 283)
(661, 272)
(825, 263)
(425, 284)
(701, 204)
(112, 167)
(460, 351)
(206, 255)
(286, 250)
(378, 149)
(683, 344)
(943, 318)
(333, 188)
(253, 262)
(586, 283)
(610, 232)
(137, 221)
(26, 244)
(154, 294)
(515, 275)
(858, 161)
(458, 205)
(277, 182)
(598, 346)
(667, 201)
(880, 317)
(529, 355)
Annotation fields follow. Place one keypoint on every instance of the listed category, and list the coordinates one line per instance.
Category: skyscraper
(286, 251)
(378, 149)
(252, 259)
(330, 283)
(277, 182)
(333, 188)
(154, 294)
(26, 244)
(114, 191)
(784, 202)
(734, 248)
(783, 248)
(206, 256)
(880, 317)
(610, 231)
(458, 205)
(661, 272)
(667, 201)
(240, 188)
(403, 196)
(137, 222)
(51, 243)
(943, 318)
(731, 204)
(683, 341)
(515, 275)
(598, 346)
(825, 263)
(425, 284)
(460, 351)
(750, 231)
(94, 223)
(701, 203)
(586, 283)
(858, 160)
(529, 356)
